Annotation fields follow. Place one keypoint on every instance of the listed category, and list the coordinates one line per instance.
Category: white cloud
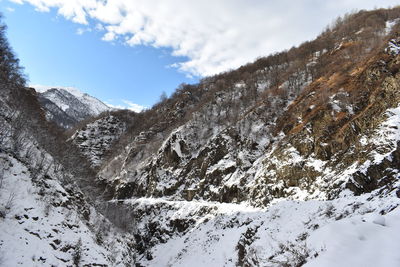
(132, 106)
(80, 31)
(215, 35)
(19, 2)
(109, 36)
(126, 105)
(99, 27)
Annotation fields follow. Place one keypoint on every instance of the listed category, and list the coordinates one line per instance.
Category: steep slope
(96, 138)
(351, 231)
(316, 122)
(101, 135)
(48, 223)
(47, 203)
(68, 106)
(255, 141)
(48, 215)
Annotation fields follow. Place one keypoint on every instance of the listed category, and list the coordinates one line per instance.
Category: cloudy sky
(130, 51)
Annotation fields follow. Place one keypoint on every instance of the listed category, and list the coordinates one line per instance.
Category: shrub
(77, 253)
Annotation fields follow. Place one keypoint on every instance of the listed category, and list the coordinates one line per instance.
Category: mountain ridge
(68, 106)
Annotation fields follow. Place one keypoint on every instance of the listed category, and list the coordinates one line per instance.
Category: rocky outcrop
(95, 139)
(313, 148)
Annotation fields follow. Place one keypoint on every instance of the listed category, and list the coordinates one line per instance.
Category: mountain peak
(67, 106)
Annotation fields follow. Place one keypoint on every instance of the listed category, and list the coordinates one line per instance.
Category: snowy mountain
(97, 138)
(292, 160)
(67, 106)
(48, 216)
(314, 127)
(42, 221)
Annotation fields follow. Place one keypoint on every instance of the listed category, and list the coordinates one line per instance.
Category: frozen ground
(42, 226)
(350, 231)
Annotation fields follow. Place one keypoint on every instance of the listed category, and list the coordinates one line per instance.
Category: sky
(128, 52)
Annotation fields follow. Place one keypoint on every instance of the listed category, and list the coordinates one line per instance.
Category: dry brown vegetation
(308, 74)
(336, 57)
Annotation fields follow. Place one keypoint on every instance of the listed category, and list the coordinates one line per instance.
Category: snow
(240, 85)
(325, 233)
(394, 47)
(223, 164)
(262, 86)
(72, 90)
(293, 155)
(96, 138)
(94, 105)
(385, 137)
(379, 219)
(188, 206)
(358, 241)
(335, 106)
(177, 149)
(53, 97)
(317, 164)
(343, 232)
(37, 232)
(27, 225)
(389, 25)
(304, 225)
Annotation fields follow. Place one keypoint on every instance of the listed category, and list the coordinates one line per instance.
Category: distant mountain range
(67, 106)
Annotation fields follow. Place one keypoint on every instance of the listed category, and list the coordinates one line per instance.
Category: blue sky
(54, 54)
(130, 51)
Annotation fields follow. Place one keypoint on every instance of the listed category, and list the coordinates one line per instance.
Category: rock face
(95, 139)
(67, 106)
(252, 142)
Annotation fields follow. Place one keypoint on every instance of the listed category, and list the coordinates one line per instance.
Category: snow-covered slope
(46, 217)
(311, 230)
(318, 143)
(46, 223)
(97, 138)
(349, 231)
(66, 106)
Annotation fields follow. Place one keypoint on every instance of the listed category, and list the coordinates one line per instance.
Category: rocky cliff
(254, 143)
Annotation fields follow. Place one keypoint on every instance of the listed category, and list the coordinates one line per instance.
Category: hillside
(284, 126)
(48, 215)
(292, 160)
(68, 106)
